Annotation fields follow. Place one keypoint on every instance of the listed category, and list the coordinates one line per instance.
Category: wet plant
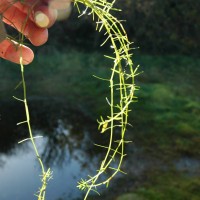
(122, 93)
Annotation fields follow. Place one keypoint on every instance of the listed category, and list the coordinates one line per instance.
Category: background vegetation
(155, 26)
(166, 118)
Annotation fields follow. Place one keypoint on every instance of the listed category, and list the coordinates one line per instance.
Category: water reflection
(65, 147)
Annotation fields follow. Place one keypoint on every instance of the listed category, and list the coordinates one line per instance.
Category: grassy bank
(167, 111)
(165, 186)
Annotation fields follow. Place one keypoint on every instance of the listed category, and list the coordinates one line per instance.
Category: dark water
(66, 147)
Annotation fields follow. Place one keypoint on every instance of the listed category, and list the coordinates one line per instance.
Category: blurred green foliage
(172, 186)
(166, 116)
(157, 27)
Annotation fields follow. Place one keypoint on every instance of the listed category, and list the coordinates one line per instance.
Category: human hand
(32, 18)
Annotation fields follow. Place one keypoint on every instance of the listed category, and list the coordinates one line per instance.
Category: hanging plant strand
(121, 81)
(122, 88)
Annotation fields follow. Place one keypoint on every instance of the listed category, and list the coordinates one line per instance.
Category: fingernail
(41, 19)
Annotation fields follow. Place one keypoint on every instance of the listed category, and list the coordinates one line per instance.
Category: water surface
(65, 147)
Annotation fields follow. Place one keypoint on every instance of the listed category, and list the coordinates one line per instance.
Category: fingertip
(14, 53)
(37, 36)
(28, 56)
(41, 19)
(45, 17)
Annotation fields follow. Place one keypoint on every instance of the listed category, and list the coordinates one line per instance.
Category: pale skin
(38, 15)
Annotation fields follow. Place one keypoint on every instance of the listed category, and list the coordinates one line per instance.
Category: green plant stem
(46, 175)
(121, 81)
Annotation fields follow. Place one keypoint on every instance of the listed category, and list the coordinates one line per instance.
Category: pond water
(65, 147)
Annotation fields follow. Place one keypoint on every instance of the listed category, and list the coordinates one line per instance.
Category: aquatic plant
(122, 88)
